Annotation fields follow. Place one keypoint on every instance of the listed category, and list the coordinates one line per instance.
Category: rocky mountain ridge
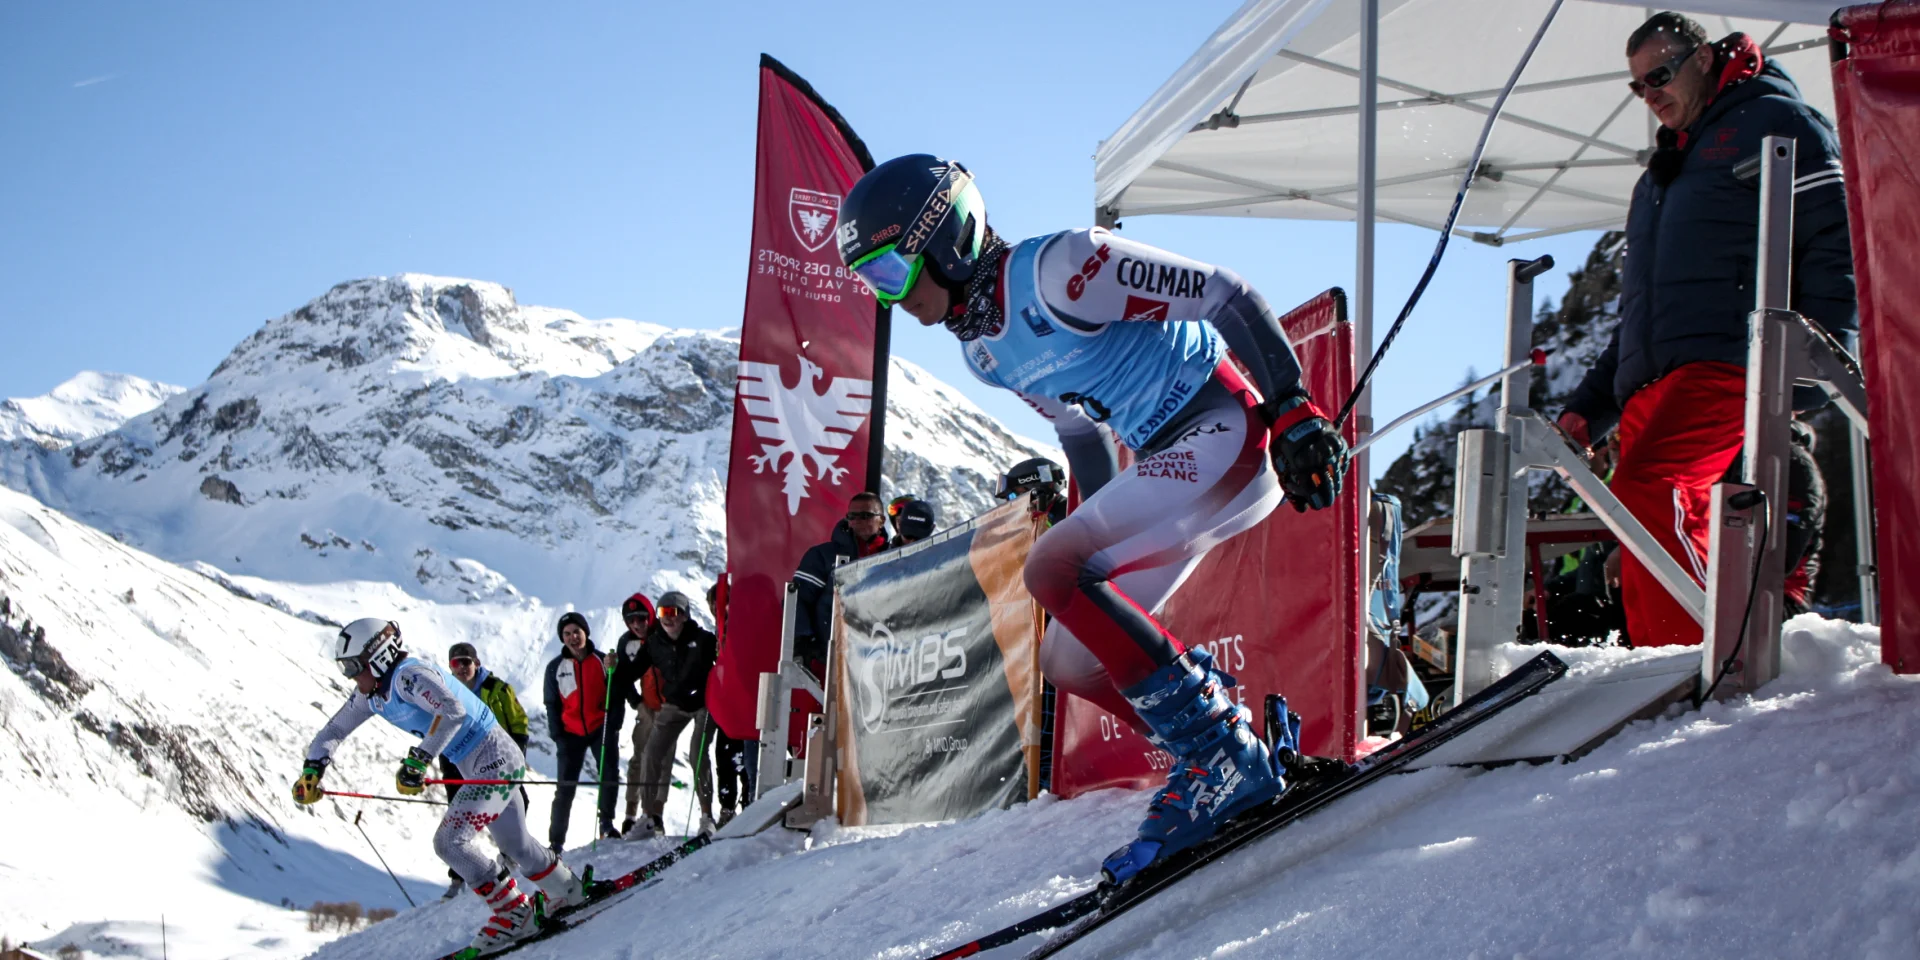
(435, 433)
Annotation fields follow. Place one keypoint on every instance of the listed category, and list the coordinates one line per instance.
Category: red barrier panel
(1876, 90)
(1279, 606)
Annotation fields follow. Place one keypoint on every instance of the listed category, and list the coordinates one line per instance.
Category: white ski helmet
(369, 642)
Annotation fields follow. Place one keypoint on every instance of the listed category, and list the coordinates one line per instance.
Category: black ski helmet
(1031, 473)
(916, 520)
(923, 206)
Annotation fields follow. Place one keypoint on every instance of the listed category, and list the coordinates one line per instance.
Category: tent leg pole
(1359, 471)
(1364, 210)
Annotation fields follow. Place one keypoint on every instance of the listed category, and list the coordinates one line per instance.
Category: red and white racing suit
(1092, 314)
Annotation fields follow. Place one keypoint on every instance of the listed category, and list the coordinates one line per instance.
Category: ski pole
(376, 796)
(552, 783)
(699, 758)
(600, 769)
(383, 860)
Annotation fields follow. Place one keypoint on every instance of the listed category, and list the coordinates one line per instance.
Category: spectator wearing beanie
(584, 720)
(915, 521)
(684, 652)
(640, 689)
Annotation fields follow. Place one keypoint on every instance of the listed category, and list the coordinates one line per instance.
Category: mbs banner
(937, 676)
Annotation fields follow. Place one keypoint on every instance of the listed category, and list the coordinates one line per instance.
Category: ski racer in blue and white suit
(421, 699)
(1118, 343)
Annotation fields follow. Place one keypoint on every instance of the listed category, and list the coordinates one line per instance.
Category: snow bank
(1777, 825)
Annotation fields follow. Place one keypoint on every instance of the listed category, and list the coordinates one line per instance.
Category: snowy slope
(1776, 826)
(434, 433)
(414, 447)
(82, 408)
(145, 757)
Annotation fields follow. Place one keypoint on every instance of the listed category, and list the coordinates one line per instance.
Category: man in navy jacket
(1673, 380)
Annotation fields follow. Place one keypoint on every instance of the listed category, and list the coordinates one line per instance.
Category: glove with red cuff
(1308, 452)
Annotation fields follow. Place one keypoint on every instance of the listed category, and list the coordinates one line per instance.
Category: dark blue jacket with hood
(1693, 229)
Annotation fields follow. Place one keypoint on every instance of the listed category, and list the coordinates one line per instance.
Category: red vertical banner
(1876, 76)
(1279, 607)
(805, 405)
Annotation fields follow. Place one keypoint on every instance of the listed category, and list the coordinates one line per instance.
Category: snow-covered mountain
(415, 446)
(146, 746)
(82, 408)
(436, 434)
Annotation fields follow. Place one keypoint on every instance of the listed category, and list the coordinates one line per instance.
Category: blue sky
(176, 174)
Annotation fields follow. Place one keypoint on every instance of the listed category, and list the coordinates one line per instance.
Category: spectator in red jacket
(584, 720)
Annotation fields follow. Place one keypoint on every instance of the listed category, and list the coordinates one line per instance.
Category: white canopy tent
(1273, 117)
(1262, 120)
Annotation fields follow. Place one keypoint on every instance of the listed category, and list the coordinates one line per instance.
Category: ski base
(1320, 783)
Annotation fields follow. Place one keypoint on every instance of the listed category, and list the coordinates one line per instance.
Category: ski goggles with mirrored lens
(671, 611)
(889, 274)
(350, 667)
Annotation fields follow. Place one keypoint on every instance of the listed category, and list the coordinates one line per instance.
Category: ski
(602, 895)
(1081, 915)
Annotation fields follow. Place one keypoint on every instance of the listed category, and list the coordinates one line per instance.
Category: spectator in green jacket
(499, 697)
(496, 693)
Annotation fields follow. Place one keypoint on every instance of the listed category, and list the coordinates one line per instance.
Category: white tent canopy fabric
(1262, 121)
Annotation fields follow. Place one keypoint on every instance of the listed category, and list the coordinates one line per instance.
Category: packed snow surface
(1777, 825)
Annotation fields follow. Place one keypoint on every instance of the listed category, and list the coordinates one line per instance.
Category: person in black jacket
(863, 533)
(639, 689)
(1673, 379)
(683, 651)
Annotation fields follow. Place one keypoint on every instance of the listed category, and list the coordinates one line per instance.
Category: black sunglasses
(1661, 75)
(863, 515)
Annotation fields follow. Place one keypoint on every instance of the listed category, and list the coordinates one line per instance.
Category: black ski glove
(1308, 453)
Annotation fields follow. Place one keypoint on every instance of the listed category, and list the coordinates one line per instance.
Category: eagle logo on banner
(811, 214)
(802, 428)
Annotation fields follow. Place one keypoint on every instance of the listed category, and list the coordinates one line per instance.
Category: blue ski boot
(1219, 767)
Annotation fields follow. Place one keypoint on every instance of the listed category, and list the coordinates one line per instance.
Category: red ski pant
(1677, 436)
(1106, 570)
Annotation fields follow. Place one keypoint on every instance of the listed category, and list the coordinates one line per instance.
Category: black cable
(1742, 501)
(1446, 231)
